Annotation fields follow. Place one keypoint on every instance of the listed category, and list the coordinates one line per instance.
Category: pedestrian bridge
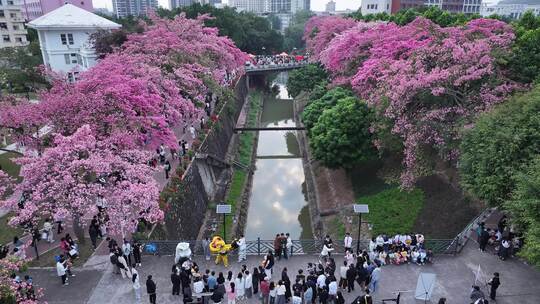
(274, 67)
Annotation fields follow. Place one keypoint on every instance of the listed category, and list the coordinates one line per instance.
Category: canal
(277, 201)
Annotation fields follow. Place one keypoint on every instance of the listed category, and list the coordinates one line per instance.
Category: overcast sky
(316, 5)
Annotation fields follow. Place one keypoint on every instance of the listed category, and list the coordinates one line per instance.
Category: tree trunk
(78, 229)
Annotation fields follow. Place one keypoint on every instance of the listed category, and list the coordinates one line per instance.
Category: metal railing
(277, 66)
(299, 247)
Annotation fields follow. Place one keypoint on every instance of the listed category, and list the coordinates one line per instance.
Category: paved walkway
(96, 283)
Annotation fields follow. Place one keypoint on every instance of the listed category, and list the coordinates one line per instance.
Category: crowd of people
(316, 283)
(400, 249)
(503, 240)
(281, 59)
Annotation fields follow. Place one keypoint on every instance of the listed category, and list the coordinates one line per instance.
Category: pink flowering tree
(6, 182)
(427, 82)
(16, 291)
(66, 180)
(320, 30)
(101, 127)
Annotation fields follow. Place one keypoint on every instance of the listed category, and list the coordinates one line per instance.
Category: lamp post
(224, 209)
(359, 209)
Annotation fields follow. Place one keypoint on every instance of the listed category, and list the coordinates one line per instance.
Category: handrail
(299, 247)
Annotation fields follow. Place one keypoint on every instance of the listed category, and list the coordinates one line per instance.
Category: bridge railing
(277, 66)
(300, 247)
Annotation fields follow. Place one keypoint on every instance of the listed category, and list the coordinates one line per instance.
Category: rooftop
(70, 16)
(529, 2)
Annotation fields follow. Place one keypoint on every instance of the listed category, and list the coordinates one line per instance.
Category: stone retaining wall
(206, 177)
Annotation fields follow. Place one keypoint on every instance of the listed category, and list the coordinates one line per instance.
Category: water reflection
(276, 198)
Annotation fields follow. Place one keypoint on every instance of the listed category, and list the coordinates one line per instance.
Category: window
(18, 39)
(13, 15)
(3, 25)
(2, 13)
(15, 27)
(66, 39)
(10, 2)
(6, 38)
(73, 76)
(72, 58)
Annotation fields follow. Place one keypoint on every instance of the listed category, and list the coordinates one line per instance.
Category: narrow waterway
(277, 201)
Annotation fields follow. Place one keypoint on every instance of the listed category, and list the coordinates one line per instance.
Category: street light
(224, 209)
(359, 209)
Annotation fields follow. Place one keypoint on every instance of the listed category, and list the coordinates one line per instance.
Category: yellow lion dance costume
(219, 247)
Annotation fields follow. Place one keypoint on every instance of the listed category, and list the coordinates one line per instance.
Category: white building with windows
(63, 38)
(12, 24)
(376, 6)
(511, 8)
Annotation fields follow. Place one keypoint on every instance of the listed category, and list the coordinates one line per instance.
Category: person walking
(151, 289)
(93, 232)
(122, 264)
(61, 270)
(126, 251)
(265, 290)
(137, 250)
(248, 284)
(483, 241)
(242, 249)
(277, 246)
(287, 283)
(350, 275)
(281, 290)
(231, 294)
(494, 283)
(375, 277)
(476, 294)
(343, 275)
(289, 244)
(206, 248)
(175, 280)
(347, 242)
(283, 242)
(256, 279)
(48, 229)
(136, 287)
(167, 169)
(268, 264)
(240, 282)
(192, 132)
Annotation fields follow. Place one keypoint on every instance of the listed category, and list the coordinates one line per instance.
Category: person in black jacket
(484, 238)
(287, 283)
(151, 289)
(186, 284)
(218, 294)
(494, 283)
(175, 280)
(255, 280)
(351, 276)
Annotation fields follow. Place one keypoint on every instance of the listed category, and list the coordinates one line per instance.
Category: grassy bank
(243, 156)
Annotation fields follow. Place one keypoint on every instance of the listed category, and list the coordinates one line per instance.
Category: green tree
(524, 206)
(294, 33)
(305, 79)
(19, 68)
(341, 137)
(315, 108)
(525, 60)
(275, 22)
(501, 145)
(250, 33)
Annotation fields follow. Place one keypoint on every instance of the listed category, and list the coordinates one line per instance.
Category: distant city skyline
(316, 5)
